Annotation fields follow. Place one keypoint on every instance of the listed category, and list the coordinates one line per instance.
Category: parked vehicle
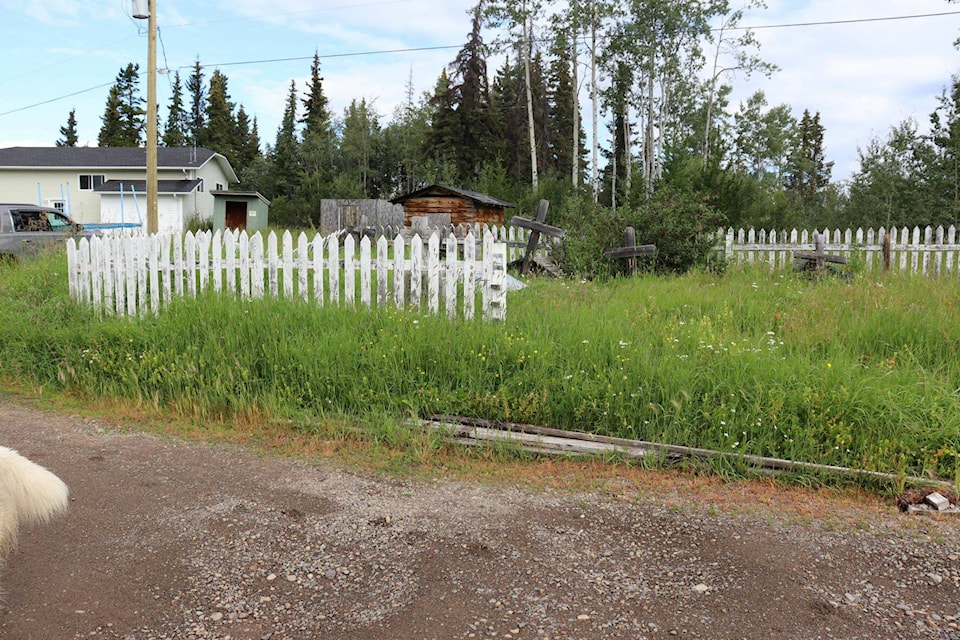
(27, 228)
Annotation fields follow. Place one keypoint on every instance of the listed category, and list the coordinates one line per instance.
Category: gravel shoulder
(167, 539)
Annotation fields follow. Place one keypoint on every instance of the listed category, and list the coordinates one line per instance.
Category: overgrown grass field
(861, 372)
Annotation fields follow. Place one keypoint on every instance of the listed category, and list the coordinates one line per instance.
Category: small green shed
(245, 210)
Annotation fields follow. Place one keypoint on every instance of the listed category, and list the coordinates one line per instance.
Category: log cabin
(463, 207)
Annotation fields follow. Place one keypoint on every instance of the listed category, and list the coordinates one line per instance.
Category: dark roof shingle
(102, 157)
(441, 190)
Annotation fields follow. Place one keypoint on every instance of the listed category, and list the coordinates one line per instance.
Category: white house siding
(23, 185)
(212, 175)
(20, 185)
(170, 214)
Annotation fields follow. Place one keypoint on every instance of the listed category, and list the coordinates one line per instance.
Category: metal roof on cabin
(439, 189)
(238, 194)
(102, 157)
(140, 186)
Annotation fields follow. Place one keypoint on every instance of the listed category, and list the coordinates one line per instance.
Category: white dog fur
(29, 494)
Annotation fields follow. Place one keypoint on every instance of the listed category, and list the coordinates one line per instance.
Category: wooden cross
(817, 259)
(536, 227)
(631, 251)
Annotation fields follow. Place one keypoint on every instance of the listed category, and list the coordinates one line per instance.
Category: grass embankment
(860, 373)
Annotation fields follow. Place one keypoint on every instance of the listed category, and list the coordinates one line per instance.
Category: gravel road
(167, 539)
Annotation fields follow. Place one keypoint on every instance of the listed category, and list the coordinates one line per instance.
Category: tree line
(657, 77)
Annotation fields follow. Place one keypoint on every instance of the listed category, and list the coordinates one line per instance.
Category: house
(449, 205)
(106, 185)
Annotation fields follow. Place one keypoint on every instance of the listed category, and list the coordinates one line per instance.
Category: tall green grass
(856, 372)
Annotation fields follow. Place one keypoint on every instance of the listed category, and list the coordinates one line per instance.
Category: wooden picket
(928, 251)
(136, 275)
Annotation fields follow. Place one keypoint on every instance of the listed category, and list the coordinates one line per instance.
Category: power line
(64, 60)
(442, 47)
(326, 56)
(438, 48)
(69, 95)
(850, 21)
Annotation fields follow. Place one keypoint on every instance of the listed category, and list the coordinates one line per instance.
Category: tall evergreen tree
(196, 118)
(464, 127)
(123, 117)
(520, 14)
(68, 132)
(316, 111)
(175, 131)
(247, 143)
(285, 158)
(510, 108)
(809, 172)
(318, 148)
(220, 129)
(566, 137)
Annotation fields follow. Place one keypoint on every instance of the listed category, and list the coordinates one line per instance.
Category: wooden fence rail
(134, 275)
(925, 251)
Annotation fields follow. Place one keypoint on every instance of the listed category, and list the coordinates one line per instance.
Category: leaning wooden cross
(536, 227)
(817, 260)
(631, 251)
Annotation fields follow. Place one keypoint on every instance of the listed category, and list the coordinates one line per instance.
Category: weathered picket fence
(928, 251)
(135, 275)
(514, 237)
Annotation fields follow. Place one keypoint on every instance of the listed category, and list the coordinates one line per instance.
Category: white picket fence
(928, 251)
(137, 274)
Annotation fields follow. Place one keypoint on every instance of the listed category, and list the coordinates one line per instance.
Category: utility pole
(152, 215)
(148, 9)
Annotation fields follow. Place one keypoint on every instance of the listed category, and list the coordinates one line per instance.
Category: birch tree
(732, 54)
(519, 14)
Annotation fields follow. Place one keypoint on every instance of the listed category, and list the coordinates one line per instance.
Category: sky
(864, 74)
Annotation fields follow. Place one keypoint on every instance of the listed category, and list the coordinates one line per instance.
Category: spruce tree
(318, 148)
(196, 118)
(247, 144)
(510, 108)
(316, 113)
(563, 118)
(809, 172)
(465, 126)
(123, 117)
(175, 131)
(285, 158)
(220, 130)
(68, 132)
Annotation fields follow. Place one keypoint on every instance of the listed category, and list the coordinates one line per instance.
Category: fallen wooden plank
(560, 442)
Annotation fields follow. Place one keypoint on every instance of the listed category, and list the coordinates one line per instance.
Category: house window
(219, 187)
(59, 205)
(200, 186)
(90, 182)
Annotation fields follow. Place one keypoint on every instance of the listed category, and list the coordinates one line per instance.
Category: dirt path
(173, 540)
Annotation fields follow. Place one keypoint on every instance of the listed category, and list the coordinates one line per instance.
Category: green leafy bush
(677, 223)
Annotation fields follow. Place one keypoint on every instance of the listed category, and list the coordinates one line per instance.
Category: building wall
(21, 185)
(116, 210)
(461, 210)
(258, 212)
(358, 213)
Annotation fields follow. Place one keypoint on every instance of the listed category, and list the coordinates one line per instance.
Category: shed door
(236, 215)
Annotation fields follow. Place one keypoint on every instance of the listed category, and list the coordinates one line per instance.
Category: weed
(857, 373)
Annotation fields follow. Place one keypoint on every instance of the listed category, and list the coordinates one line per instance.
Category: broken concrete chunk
(937, 501)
